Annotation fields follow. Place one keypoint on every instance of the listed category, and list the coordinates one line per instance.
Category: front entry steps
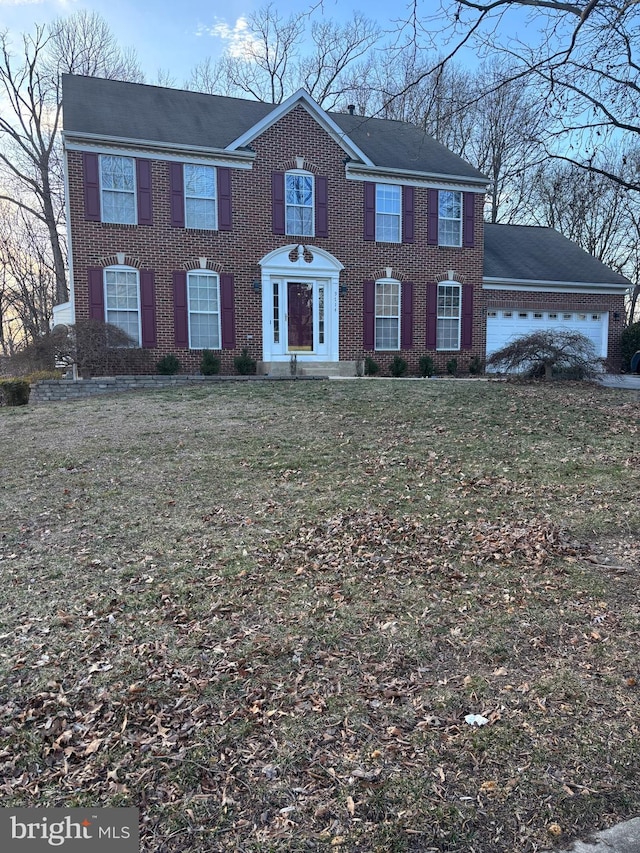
(308, 368)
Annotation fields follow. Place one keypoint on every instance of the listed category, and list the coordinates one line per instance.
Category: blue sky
(171, 35)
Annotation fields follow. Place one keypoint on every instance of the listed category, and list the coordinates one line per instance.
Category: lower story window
(387, 315)
(122, 301)
(448, 326)
(203, 295)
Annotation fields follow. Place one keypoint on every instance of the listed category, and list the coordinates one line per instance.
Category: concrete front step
(308, 368)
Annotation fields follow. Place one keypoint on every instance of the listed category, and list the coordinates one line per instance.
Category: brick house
(205, 222)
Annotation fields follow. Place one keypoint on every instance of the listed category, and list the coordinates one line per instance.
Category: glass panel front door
(300, 316)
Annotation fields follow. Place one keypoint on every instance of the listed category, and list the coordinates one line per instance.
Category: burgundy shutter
(408, 215)
(148, 308)
(468, 219)
(369, 315)
(322, 217)
(406, 320)
(432, 315)
(467, 316)
(176, 181)
(91, 169)
(228, 313)
(180, 311)
(224, 199)
(143, 186)
(432, 217)
(369, 211)
(277, 202)
(96, 293)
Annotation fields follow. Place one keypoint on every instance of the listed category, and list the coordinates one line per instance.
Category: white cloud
(240, 43)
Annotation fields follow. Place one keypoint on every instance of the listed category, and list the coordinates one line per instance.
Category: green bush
(371, 367)
(14, 392)
(476, 366)
(427, 367)
(168, 365)
(398, 367)
(210, 364)
(629, 344)
(244, 364)
(452, 366)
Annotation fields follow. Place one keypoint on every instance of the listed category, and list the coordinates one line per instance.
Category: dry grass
(261, 612)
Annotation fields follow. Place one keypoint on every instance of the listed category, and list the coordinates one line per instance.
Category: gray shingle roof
(155, 114)
(532, 253)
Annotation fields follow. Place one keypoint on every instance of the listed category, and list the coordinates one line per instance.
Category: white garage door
(504, 326)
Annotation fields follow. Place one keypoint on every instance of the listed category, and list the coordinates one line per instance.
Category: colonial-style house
(205, 222)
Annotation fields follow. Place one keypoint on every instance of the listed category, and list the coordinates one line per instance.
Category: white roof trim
(491, 283)
(304, 99)
(321, 262)
(389, 175)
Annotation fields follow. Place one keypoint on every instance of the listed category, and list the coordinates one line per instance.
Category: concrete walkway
(627, 380)
(623, 838)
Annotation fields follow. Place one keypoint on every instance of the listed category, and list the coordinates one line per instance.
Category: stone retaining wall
(50, 390)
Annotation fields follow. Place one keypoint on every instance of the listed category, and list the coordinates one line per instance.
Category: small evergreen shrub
(14, 392)
(452, 366)
(244, 364)
(371, 367)
(427, 367)
(168, 365)
(476, 366)
(629, 344)
(398, 367)
(210, 363)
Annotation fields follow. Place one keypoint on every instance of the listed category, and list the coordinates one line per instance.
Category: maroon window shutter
(468, 220)
(467, 316)
(369, 211)
(322, 217)
(143, 181)
(406, 320)
(91, 168)
(228, 312)
(408, 215)
(148, 308)
(432, 218)
(224, 199)
(96, 293)
(369, 315)
(432, 314)
(277, 202)
(180, 310)
(176, 181)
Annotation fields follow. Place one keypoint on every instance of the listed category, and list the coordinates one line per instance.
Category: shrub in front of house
(398, 366)
(244, 364)
(476, 366)
(426, 365)
(371, 367)
(14, 392)
(210, 363)
(630, 344)
(452, 366)
(168, 365)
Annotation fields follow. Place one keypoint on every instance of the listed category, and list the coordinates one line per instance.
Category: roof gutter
(498, 283)
(362, 172)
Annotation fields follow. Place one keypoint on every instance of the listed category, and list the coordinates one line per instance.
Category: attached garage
(537, 280)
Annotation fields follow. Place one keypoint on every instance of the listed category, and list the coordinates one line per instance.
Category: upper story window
(448, 318)
(118, 189)
(387, 315)
(388, 213)
(299, 204)
(122, 300)
(203, 297)
(449, 218)
(200, 207)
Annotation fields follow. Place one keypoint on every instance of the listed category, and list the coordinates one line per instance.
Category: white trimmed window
(449, 312)
(203, 297)
(388, 213)
(200, 207)
(118, 189)
(449, 218)
(299, 204)
(122, 300)
(387, 328)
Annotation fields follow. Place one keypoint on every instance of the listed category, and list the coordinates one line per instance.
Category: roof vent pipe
(352, 109)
